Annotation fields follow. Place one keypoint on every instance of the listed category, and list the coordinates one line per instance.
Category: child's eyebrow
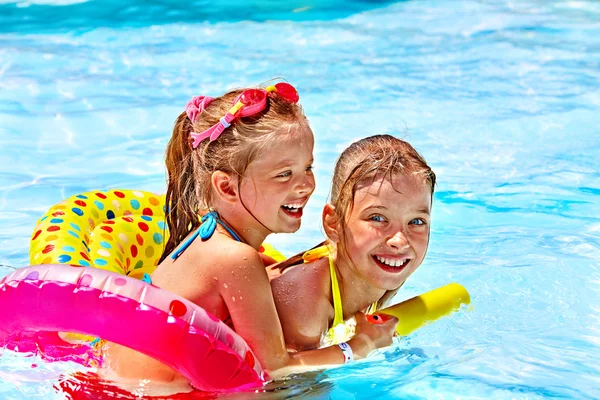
(424, 211)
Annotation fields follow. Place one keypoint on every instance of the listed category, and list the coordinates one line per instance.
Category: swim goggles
(249, 102)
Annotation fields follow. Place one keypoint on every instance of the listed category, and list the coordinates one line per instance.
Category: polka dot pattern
(114, 229)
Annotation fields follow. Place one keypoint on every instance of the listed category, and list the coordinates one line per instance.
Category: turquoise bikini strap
(206, 230)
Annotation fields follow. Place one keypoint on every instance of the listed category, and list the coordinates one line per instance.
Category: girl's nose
(398, 241)
(306, 185)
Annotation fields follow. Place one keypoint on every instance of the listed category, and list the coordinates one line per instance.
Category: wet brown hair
(368, 160)
(189, 170)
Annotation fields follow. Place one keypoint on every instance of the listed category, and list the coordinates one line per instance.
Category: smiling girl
(377, 227)
(239, 169)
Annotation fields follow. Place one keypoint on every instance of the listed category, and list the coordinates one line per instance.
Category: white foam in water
(500, 97)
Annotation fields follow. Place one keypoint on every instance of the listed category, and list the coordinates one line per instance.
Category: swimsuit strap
(205, 231)
(337, 297)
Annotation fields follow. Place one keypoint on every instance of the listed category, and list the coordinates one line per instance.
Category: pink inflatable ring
(130, 312)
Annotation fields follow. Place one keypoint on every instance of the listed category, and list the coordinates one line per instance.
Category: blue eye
(309, 168)
(284, 174)
(377, 218)
(417, 221)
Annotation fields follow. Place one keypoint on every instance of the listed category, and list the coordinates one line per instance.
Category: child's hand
(370, 336)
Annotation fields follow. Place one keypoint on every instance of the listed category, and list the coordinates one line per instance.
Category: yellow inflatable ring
(122, 231)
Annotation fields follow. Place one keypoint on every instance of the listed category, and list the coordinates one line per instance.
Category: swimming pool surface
(501, 97)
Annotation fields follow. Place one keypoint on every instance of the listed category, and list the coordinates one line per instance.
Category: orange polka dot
(154, 201)
(51, 238)
(107, 236)
(47, 260)
(139, 239)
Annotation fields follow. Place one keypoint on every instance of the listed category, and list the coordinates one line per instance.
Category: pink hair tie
(196, 105)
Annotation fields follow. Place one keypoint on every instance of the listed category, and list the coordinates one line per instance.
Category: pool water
(501, 97)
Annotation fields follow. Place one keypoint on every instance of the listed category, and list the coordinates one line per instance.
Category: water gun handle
(420, 310)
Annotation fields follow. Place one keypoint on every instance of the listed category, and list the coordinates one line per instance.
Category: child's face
(278, 184)
(388, 229)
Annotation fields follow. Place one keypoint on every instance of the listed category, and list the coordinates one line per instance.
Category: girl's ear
(330, 223)
(225, 186)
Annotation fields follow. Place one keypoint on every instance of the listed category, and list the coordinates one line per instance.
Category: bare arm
(247, 293)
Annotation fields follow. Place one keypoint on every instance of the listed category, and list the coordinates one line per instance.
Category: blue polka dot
(77, 211)
(74, 234)
(106, 245)
(161, 224)
(135, 204)
(68, 249)
(146, 218)
(63, 258)
(84, 263)
(56, 221)
(75, 226)
(99, 205)
(158, 238)
(80, 196)
(110, 214)
(100, 262)
(43, 218)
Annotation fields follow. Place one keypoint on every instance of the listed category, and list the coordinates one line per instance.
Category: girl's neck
(357, 294)
(243, 226)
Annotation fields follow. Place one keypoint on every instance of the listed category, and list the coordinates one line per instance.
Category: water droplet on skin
(233, 298)
(245, 258)
(225, 285)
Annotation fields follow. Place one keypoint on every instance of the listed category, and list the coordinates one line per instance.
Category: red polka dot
(36, 235)
(128, 219)
(177, 308)
(134, 252)
(127, 263)
(143, 226)
(139, 239)
(80, 203)
(249, 359)
(261, 249)
(147, 211)
(110, 221)
(119, 194)
(101, 195)
(85, 256)
(107, 229)
(53, 228)
(48, 249)
(56, 214)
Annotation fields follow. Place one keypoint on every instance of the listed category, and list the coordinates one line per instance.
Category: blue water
(501, 97)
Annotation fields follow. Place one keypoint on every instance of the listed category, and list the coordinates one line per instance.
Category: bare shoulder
(302, 301)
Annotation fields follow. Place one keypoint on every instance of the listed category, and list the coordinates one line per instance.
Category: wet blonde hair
(190, 170)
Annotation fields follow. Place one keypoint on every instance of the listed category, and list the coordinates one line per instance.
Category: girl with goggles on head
(239, 168)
